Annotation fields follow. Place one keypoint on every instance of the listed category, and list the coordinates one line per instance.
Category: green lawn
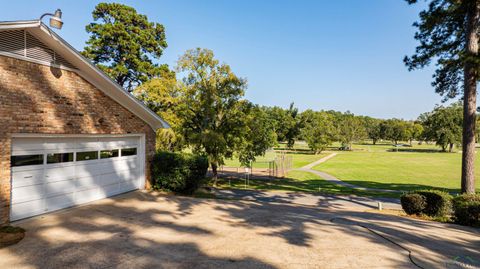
(300, 160)
(409, 168)
(300, 181)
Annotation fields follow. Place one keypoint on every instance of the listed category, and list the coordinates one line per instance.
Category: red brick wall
(39, 99)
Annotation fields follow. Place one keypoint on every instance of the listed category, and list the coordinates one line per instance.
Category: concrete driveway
(144, 230)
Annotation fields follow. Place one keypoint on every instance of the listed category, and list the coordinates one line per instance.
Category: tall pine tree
(448, 32)
(124, 44)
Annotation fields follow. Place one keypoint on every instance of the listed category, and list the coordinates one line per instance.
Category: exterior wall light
(55, 20)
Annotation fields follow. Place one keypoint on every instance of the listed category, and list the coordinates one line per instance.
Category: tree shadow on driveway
(143, 230)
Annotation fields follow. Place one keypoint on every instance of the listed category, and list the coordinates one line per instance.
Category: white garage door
(53, 173)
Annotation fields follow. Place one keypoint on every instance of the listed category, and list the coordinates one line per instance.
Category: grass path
(304, 179)
(334, 180)
(322, 160)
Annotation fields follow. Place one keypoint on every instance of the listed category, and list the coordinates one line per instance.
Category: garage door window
(59, 157)
(87, 155)
(104, 154)
(129, 152)
(22, 160)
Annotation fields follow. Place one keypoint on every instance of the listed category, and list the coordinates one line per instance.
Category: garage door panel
(106, 167)
(88, 195)
(108, 179)
(27, 209)
(112, 189)
(26, 193)
(128, 186)
(126, 164)
(26, 178)
(59, 173)
(89, 168)
(60, 201)
(127, 175)
(89, 182)
(62, 181)
(60, 187)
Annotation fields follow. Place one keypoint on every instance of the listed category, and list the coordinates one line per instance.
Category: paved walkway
(322, 160)
(334, 180)
(149, 230)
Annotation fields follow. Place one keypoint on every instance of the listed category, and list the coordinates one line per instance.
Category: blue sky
(341, 55)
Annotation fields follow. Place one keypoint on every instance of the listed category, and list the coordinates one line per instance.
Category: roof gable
(42, 45)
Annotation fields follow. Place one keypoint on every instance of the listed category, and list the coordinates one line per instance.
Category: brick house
(68, 133)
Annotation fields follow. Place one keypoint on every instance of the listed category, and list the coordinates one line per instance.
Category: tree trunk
(214, 173)
(450, 149)
(470, 99)
(374, 141)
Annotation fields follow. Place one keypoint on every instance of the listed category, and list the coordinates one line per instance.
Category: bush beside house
(463, 209)
(438, 204)
(413, 203)
(433, 203)
(467, 209)
(178, 172)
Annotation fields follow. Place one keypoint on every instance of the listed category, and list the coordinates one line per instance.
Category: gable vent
(22, 43)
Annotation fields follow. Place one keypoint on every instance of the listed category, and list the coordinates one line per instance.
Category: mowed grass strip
(398, 170)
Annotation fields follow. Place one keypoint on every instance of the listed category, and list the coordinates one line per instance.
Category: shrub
(413, 203)
(467, 209)
(178, 172)
(438, 203)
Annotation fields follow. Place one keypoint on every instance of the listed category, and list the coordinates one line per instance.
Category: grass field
(379, 166)
(410, 168)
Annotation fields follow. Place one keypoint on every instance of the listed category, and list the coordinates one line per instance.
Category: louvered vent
(12, 42)
(23, 43)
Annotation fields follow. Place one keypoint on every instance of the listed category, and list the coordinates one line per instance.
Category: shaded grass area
(419, 167)
(300, 181)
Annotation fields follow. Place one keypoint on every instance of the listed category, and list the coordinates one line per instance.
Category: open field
(380, 166)
(421, 166)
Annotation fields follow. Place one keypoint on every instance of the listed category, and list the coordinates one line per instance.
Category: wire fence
(276, 168)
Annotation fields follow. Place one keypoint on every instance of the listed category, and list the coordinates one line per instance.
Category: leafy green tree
(413, 131)
(294, 125)
(444, 126)
(164, 95)
(258, 136)
(287, 123)
(318, 131)
(212, 111)
(373, 128)
(449, 34)
(395, 130)
(349, 129)
(278, 117)
(124, 44)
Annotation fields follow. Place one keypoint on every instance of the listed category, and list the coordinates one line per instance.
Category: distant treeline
(320, 129)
